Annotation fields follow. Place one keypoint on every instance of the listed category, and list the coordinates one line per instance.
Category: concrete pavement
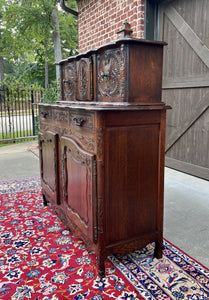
(16, 161)
(186, 213)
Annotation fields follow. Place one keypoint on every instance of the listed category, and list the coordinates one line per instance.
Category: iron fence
(18, 114)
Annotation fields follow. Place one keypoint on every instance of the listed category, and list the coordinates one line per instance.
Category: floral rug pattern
(40, 259)
(20, 185)
(175, 276)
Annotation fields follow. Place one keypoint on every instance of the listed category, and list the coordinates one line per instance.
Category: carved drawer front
(68, 74)
(48, 145)
(82, 120)
(60, 116)
(45, 114)
(84, 79)
(79, 187)
(111, 75)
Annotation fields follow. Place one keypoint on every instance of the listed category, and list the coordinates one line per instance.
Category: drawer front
(60, 116)
(82, 129)
(45, 114)
(80, 120)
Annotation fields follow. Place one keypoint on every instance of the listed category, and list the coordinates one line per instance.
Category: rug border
(137, 285)
(173, 245)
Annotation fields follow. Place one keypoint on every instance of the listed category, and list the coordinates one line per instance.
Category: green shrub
(52, 93)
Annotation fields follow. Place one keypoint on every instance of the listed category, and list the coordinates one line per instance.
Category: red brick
(99, 20)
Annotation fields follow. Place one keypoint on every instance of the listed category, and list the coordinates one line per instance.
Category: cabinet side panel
(145, 73)
(131, 182)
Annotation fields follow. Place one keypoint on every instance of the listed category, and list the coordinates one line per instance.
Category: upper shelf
(127, 70)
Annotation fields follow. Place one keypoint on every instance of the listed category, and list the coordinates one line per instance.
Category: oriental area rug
(40, 259)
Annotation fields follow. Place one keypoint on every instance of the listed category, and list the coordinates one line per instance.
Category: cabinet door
(48, 145)
(79, 187)
(84, 79)
(68, 75)
(112, 83)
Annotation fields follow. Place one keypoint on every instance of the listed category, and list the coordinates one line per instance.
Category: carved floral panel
(60, 116)
(111, 76)
(84, 79)
(69, 81)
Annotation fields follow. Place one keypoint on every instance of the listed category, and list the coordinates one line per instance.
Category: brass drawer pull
(44, 114)
(78, 121)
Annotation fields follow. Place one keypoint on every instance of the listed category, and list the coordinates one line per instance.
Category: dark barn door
(184, 25)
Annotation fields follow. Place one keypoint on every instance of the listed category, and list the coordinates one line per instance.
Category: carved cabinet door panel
(68, 79)
(79, 187)
(84, 79)
(112, 83)
(48, 145)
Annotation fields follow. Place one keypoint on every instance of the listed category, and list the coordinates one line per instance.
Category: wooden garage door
(184, 25)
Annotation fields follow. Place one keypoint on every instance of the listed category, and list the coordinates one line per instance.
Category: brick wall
(99, 20)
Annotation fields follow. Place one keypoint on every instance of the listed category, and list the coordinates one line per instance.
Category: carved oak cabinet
(102, 147)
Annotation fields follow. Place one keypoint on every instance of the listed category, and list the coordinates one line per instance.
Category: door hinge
(95, 201)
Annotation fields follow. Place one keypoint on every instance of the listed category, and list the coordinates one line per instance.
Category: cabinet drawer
(82, 129)
(82, 120)
(60, 116)
(45, 113)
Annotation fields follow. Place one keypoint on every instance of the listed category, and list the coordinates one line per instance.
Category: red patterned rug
(40, 259)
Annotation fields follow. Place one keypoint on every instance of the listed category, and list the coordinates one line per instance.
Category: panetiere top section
(128, 70)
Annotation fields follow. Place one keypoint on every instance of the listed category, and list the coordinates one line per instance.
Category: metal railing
(18, 114)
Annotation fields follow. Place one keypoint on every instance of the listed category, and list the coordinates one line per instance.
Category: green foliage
(28, 73)
(28, 21)
(52, 93)
(34, 73)
(26, 34)
(69, 34)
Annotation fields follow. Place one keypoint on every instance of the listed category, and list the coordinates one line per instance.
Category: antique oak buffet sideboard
(102, 147)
